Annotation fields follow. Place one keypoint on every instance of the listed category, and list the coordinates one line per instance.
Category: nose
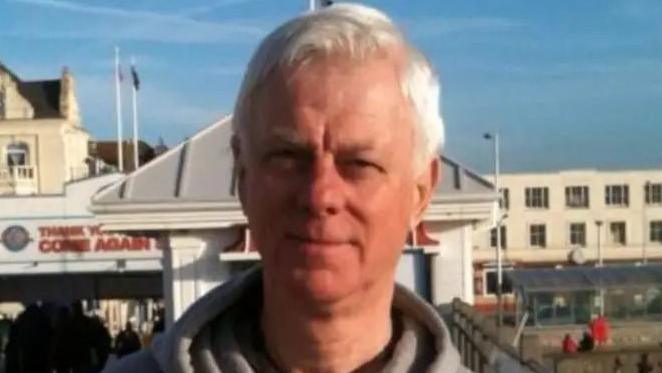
(322, 193)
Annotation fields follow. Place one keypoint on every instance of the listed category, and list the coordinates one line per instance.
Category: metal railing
(18, 179)
(18, 173)
(481, 346)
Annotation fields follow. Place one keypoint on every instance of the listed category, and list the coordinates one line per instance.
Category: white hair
(358, 32)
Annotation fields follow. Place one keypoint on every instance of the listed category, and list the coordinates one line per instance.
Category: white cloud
(125, 24)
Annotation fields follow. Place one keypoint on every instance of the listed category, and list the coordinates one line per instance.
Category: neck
(306, 337)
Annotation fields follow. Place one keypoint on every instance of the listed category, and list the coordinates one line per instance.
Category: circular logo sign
(15, 238)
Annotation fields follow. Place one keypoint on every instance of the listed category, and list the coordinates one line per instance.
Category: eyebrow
(287, 137)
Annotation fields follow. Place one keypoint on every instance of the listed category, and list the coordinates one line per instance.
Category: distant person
(87, 344)
(587, 343)
(618, 365)
(101, 343)
(569, 345)
(29, 347)
(600, 329)
(159, 321)
(644, 365)
(62, 341)
(127, 341)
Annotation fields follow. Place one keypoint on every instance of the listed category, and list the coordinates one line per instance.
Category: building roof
(44, 96)
(107, 152)
(201, 169)
(584, 278)
(8, 71)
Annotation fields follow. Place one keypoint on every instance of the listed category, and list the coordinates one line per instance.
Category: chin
(322, 285)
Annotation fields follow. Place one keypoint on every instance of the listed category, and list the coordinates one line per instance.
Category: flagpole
(135, 113)
(118, 107)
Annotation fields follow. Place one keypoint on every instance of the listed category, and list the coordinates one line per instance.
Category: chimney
(68, 102)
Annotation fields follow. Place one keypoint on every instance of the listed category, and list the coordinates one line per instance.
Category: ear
(426, 184)
(238, 170)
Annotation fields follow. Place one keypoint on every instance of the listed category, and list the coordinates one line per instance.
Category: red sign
(86, 238)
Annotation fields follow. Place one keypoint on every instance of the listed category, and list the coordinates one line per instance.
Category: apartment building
(42, 142)
(570, 218)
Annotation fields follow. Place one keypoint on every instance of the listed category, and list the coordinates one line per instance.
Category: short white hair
(358, 32)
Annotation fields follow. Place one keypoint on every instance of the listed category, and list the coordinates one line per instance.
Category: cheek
(268, 205)
(386, 217)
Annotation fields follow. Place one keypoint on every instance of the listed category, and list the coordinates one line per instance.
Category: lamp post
(598, 224)
(318, 4)
(647, 197)
(495, 138)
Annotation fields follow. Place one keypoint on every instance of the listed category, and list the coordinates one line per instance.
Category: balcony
(19, 180)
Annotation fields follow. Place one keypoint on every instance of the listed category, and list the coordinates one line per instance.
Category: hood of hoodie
(172, 353)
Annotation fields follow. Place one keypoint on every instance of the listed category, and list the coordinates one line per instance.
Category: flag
(134, 74)
(120, 76)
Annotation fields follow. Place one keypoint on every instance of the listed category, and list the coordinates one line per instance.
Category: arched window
(17, 154)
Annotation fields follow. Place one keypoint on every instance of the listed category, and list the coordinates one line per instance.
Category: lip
(305, 240)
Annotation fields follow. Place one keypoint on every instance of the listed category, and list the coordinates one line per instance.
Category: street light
(495, 138)
(647, 197)
(318, 4)
(598, 224)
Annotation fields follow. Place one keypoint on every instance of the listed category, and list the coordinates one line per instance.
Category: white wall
(558, 217)
(192, 267)
(452, 269)
(42, 217)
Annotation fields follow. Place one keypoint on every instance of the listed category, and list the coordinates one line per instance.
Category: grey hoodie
(206, 337)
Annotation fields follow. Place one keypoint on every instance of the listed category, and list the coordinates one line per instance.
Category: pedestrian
(569, 344)
(29, 347)
(587, 343)
(127, 341)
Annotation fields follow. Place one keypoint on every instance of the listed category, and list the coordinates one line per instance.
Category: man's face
(327, 179)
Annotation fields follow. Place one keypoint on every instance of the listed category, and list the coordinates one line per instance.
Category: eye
(284, 159)
(361, 165)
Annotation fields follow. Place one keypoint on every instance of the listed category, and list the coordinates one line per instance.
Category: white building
(51, 247)
(570, 218)
(186, 199)
(42, 142)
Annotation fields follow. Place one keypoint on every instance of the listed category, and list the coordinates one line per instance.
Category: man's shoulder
(140, 361)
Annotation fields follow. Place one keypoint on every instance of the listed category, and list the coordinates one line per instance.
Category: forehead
(336, 92)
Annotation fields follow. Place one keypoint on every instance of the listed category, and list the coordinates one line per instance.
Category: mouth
(316, 241)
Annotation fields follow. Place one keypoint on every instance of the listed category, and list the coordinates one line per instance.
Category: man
(336, 139)
(127, 341)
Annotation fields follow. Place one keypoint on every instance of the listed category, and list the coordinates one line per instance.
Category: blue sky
(568, 84)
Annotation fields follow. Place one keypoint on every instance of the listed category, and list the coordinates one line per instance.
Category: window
(493, 237)
(655, 230)
(653, 193)
(537, 235)
(504, 202)
(17, 154)
(617, 233)
(578, 234)
(537, 197)
(491, 283)
(576, 196)
(617, 195)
